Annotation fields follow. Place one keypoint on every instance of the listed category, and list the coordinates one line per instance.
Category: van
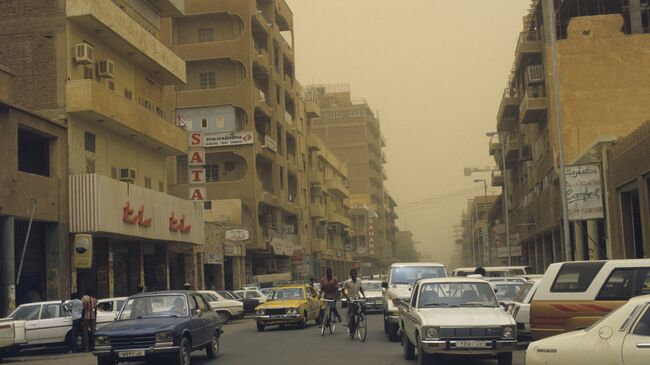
(574, 295)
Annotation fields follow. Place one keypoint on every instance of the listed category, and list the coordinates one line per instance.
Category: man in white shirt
(75, 306)
(351, 290)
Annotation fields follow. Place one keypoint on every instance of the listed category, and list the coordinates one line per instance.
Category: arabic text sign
(584, 192)
(228, 139)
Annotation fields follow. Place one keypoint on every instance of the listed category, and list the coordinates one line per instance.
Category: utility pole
(487, 226)
(549, 15)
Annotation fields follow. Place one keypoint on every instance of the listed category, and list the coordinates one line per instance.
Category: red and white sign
(197, 175)
(196, 157)
(196, 162)
(197, 193)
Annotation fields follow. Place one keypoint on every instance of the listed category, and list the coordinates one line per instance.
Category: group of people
(351, 289)
(83, 310)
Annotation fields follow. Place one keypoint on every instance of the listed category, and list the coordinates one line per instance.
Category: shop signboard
(584, 192)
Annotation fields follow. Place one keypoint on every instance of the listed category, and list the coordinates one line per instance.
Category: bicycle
(358, 320)
(328, 321)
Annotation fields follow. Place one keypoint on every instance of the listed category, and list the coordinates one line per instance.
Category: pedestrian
(74, 306)
(480, 271)
(89, 320)
(186, 286)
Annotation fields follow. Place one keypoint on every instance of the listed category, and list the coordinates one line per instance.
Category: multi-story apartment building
(351, 129)
(476, 238)
(100, 68)
(33, 199)
(329, 210)
(242, 94)
(598, 101)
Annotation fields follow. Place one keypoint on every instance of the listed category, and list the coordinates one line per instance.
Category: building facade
(34, 248)
(242, 96)
(101, 66)
(598, 102)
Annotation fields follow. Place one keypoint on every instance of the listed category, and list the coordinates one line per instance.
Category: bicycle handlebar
(328, 300)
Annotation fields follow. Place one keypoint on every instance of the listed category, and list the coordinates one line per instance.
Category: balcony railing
(497, 178)
(529, 43)
(533, 105)
(288, 118)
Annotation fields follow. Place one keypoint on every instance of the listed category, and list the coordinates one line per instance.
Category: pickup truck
(401, 278)
(455, 317)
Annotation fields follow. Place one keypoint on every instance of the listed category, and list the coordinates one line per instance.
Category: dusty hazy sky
(435, 70)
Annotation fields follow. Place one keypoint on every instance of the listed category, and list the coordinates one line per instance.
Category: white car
(623, 337)
(226, 308)
(457, 317)
(7, 335)
(45, 323)
(111, 305)
(374, 295)
(520, 309)
(252, 294)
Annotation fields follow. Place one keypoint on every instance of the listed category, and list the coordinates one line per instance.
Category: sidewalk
(45, 357)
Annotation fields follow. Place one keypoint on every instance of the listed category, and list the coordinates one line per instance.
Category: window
(26, 313)
(147, 182)
(90, 166)
(207, 205)
(211, 173)
(206, 35)
(229, 165)
(128, 94)
(161, 186)
(204, 124)
(106, 306)
(111, 85)
(414, 300)
(642, 328)
(576, 276)
(89, 142)
(33, 153)
(207, 80)
(51, 311)
(619, 285)
(113, 172)
(88, 73)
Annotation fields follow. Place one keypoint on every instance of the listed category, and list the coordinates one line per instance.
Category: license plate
(473, 344)
(277, 316)
(133, 353)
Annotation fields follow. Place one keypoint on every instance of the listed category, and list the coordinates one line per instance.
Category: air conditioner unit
(83, 53)
(525, 153)
(535, 74)
(106, 68)
(127, 175)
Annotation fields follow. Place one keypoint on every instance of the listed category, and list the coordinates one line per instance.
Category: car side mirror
(384, 285)
(196, 312)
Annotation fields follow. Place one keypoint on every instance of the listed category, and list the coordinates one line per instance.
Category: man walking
(89, 320)
(75, 307)
(329, 285)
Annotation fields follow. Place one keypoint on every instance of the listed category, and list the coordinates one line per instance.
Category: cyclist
(329, 285)
(351, 290)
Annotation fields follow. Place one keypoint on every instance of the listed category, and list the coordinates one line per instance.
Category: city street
(242, 344)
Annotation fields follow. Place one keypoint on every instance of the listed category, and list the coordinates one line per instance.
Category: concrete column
(593, 241)
(111, 273)
(135, 270)
(542, 247)
(644, 206)
(579, 239)
(162, 267)
(636, 23)
(7, 266)
(57, 261)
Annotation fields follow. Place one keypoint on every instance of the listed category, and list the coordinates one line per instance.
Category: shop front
(138, 237)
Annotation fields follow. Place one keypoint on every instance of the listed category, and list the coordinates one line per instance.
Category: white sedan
(252, 294)
(44, 323)
(226, 308)
(622, 337)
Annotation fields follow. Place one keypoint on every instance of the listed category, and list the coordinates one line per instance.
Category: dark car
(249, 303)
(160, 327)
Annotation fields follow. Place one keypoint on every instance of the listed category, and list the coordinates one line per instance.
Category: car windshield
(226, 295)
(287, 294)
(457, 295)
(523, 292)
(411, 274)
(172, 305)
(372, 285)
(507, 291)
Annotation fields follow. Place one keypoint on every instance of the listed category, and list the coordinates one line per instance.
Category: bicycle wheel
(332, 325)
(362, 329)
(324, 322)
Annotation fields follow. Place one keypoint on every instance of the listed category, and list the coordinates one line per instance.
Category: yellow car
(289, 305)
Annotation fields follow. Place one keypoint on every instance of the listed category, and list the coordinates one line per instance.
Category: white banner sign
(227, 139)
(237, 235)
(584, 192)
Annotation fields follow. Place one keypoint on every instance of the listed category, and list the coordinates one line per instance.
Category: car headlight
(432, 332)
(165, 336)
(259, 312)
(292, 311)
(102, 341)
(508, 332)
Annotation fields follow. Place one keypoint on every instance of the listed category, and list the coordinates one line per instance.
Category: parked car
(401, 278)
(249, 303)
(43, 324)
(506, 291)
(574, 295)
(226, 308)
(160, 327)
(111, 305)
(623, 337)
(520, 308)
(295, 304)
(7, 336)
(251, 294)
(457, 317)
(266, 291)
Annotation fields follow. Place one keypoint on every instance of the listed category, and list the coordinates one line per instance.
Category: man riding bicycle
(351, 290)
(329, 285)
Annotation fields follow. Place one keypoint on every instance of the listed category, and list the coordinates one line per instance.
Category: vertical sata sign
(196, 162)
(371, 236)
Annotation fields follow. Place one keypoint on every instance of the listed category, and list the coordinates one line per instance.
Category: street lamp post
(487, 226)
(504, 194)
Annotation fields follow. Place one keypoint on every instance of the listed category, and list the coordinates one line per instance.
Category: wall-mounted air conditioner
(83, 54)
(106, 68)
(127, 175)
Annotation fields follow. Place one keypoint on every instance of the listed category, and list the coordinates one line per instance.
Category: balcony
(260, 22)
(95, 102)
(318, 244)
(288, 84)
(262, 61)
(384, 174)
(312, 109)
(336, 185)
(530, 44)
(284, 14)
(288, 118)
(112, 25)
(262, 103)
(317, 210)
(497, 178)
(507, 114)
(339, 218)
(383, 157)
(316, 177)
(513, 146)
(169, 8)
(533, 105)
(314, 143)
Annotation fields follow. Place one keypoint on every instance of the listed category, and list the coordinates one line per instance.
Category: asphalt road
(242, 344)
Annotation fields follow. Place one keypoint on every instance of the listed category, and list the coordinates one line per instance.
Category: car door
(199, 321)
(636, 345)
(29, 314)
(408, 312)
(53, 324)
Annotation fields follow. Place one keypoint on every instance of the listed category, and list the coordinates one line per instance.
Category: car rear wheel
(505, 358)
(213, 348)
(393, 332)
(408, 347)
(260, 327)
(105, 360)
(225, 316)
(183, 356)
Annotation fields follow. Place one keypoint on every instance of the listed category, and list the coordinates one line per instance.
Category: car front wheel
(183, 356)
(393, 332)
(408, 347)
(505, 358)
(260, 327)
(213, 348)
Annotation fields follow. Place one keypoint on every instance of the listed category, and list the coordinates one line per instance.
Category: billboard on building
(584, 192)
